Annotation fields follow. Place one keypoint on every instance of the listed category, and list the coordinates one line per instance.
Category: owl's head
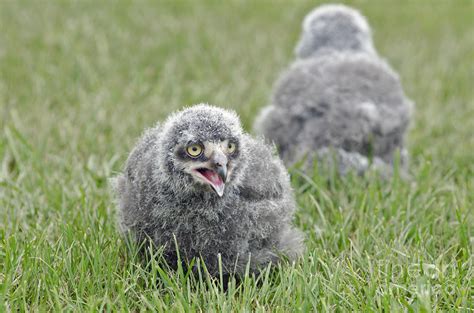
(334, 27)
(203, 148)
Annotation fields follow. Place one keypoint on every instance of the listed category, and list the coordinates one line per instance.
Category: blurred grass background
(80, 80)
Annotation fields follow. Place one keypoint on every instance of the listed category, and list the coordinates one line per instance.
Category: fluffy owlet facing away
(339, 101)
(200, 180)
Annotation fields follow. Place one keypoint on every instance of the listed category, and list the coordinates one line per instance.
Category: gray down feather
(339, 101)
(251, 221)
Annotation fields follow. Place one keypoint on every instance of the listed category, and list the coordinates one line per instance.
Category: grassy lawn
(79, 81)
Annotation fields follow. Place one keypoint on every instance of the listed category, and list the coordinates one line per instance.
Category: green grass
(79, 81)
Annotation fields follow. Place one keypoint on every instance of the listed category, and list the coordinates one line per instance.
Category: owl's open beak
(215, 178)
(216, 175)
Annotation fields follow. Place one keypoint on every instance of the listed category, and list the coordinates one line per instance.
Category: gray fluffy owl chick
(200, 180)
(339, 101)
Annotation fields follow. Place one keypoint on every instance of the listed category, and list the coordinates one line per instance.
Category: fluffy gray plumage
(339, 101)
(243, 210)
(331, 28)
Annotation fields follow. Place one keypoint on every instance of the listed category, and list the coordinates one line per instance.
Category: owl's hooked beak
(216, 174)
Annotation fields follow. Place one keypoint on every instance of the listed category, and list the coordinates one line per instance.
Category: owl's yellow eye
(194, 150)
(231, 147)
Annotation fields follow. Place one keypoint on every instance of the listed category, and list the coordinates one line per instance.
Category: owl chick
(339, 102)
(199, 181)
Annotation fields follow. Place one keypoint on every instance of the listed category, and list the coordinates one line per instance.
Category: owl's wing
(264, 176)
(136, 165)
(133, 182)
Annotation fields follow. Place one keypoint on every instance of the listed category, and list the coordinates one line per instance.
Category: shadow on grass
(174, 272)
